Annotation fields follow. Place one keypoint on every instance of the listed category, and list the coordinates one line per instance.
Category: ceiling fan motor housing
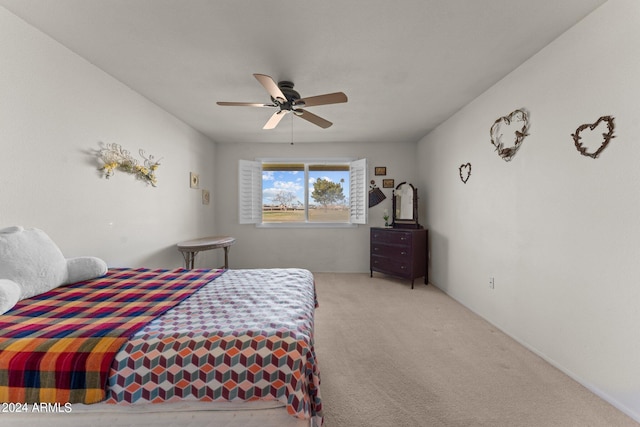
(292, 95)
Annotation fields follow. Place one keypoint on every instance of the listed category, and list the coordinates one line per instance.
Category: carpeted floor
(390, 356)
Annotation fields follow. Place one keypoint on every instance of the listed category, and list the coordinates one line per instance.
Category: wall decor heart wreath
(607, 137)
(503, 124)
(465, 172)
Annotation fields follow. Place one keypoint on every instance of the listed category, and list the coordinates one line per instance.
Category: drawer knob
(403, 253)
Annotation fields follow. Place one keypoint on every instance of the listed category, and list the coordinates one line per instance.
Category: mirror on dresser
(405, 206)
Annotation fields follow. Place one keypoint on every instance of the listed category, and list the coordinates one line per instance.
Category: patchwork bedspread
(59, 346)
(246, 336)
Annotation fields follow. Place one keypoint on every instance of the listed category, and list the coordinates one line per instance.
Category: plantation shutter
(249, 192)
(358, 192)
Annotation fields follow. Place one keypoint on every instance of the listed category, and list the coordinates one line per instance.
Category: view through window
(305, 192)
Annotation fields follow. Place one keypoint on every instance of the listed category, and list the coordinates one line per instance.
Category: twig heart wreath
(496, 133)
(465, 172)
(607, 137)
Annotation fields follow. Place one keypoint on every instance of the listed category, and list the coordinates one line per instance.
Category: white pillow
(9, 295)
(31, 259)
(34, 262)
(85, 268)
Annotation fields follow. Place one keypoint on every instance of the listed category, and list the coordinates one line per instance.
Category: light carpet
(392, 356)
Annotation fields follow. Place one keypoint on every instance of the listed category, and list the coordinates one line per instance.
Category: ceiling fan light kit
(287, 100)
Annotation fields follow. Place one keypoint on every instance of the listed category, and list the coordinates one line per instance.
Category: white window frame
(250, 193)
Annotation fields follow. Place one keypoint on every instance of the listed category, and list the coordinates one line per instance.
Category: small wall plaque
(194, 180)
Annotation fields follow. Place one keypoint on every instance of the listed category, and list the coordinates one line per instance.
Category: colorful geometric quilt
(244, 337)
(59, 346)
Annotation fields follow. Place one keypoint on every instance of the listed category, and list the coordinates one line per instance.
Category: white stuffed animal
(31, 264)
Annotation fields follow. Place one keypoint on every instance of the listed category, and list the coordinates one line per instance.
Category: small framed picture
(381, 170)
(387, 183)
(205, 197)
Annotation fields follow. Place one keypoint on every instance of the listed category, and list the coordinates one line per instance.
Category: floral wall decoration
(114, 157)
(590, 127)
(515, 126)
(465, 172)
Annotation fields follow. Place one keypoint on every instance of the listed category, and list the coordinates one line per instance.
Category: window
(275, 192)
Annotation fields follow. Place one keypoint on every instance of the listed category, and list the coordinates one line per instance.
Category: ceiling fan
(287, 100)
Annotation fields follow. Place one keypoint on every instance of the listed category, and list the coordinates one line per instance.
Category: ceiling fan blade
(275, 119)
(329, 98)
(243, 104)
(310, 117)
(271, 87)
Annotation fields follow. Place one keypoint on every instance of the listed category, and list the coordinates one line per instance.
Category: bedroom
(556, 229)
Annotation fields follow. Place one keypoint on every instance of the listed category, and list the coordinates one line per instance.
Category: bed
(211, 347)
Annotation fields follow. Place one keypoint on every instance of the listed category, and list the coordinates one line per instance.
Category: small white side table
(190, 248)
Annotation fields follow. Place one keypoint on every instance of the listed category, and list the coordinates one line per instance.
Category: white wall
(318, 249)
(55, 110)
(560, 232)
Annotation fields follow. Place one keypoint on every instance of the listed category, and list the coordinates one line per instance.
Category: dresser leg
(412, 283)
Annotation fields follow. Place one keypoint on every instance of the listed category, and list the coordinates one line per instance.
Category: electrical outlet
(492, 283)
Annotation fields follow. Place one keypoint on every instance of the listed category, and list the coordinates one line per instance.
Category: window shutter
(249, 192)
(358, 192)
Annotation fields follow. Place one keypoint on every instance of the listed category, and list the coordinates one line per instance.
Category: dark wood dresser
(399, 252)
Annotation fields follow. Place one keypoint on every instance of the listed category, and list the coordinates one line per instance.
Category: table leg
(189, 258)
(226, 257)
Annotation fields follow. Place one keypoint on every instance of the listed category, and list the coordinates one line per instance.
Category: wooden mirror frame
(404, 222)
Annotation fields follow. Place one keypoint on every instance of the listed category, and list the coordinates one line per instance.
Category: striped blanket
(58, 347)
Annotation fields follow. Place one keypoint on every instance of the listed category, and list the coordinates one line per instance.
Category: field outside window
(299, 193)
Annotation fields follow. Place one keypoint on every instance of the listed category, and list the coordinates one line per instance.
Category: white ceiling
(405, 65)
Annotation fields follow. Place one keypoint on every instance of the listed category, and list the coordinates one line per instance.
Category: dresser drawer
(391, 237)
(401, 268)
(391, 251)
